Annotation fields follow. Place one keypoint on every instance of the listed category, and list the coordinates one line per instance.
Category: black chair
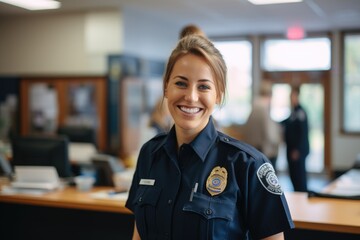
(80, 134)
(42, 151)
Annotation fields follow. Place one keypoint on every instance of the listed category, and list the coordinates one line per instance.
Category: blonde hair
(189, 30)
(204, 48)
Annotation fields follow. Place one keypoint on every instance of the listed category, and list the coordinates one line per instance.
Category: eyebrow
(200, 80)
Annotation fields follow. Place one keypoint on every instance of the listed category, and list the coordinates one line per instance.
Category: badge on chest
(217, 180)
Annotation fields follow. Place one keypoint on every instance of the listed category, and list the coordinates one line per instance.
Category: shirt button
(226, 139)
(169, 201)
(140, 199)
(208, 211)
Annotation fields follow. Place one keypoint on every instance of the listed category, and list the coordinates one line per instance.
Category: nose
(191, 95)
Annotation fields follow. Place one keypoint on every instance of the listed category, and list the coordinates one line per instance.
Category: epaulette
(239, 145)
(156, 141)
(159, 135)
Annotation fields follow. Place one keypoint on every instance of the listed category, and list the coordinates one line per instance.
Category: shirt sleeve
(132, 192)
(268, 212)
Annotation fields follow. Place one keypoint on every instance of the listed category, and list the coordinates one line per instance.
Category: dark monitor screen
(78, 134)
(42, 151)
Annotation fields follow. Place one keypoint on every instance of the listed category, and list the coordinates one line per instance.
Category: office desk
(69, 197)
(324, 214)
(66, 214)
(319, 217)
(323, 217)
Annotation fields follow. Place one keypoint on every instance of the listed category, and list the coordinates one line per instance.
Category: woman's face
(191, 93)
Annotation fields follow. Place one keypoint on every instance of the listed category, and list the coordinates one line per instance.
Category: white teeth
(190, 110)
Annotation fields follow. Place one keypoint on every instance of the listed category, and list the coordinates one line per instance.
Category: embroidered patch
(268, 179)
(217, 181)
(301, 115)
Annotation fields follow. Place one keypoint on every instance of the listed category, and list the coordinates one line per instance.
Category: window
(351, 86)
(238, 58)
(297, 55)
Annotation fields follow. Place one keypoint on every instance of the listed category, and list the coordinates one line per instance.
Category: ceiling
(226, 17)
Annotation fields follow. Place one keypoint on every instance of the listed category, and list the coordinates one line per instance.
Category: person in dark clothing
(195, 182)
(296, 138)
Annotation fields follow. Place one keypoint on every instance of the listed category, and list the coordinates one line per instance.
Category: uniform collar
(201, 144)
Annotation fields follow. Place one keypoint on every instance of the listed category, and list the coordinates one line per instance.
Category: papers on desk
(36, 177)
(81, 152)
(110, 195)
(8, 190)
(33, 180)
(347, 184)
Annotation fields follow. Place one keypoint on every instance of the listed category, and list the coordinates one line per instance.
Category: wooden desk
(334, 216)
(324, 214)
(66, 214)
(69, 198)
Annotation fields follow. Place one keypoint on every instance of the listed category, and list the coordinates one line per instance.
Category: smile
(190, 110)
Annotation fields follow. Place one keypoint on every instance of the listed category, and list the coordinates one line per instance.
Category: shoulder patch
(267, 177)
(301, 115)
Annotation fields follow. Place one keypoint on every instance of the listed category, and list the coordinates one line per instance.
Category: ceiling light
(263, 2)
(34, 4)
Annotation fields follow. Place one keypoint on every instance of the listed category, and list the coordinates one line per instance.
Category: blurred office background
(99, 64)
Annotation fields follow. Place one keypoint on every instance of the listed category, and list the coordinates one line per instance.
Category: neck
(185, 136)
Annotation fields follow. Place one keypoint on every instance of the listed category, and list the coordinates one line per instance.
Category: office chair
(79, 134)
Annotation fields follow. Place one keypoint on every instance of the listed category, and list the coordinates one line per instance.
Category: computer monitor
(42, 151)
(79, 134)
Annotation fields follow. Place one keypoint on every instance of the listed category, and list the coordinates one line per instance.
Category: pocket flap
(210, 207)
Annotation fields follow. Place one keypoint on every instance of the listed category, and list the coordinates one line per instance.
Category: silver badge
(268, 179)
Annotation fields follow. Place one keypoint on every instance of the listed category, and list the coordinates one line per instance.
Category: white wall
(147, 36)
(68, 44)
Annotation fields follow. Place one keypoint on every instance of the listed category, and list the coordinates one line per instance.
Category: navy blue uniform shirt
(171, 193)
(297, 132)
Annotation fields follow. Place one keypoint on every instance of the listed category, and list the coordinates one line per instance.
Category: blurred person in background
(160, 118)
(296, 136)
(260, 130)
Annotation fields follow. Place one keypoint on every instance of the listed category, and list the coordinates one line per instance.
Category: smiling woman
(195, 182)
(191, 94)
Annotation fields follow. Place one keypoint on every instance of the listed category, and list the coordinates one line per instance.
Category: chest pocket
(211, 215)
(145, 204)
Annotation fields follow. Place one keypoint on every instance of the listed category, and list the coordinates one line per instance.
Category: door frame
(320, 77)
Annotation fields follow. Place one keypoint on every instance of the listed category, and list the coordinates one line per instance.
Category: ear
(218, 99)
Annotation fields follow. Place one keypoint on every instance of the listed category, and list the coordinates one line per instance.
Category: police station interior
(98, 65)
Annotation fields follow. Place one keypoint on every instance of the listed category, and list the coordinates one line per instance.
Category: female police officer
(196, 182)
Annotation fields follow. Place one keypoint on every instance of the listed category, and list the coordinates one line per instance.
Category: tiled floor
(316, 181)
